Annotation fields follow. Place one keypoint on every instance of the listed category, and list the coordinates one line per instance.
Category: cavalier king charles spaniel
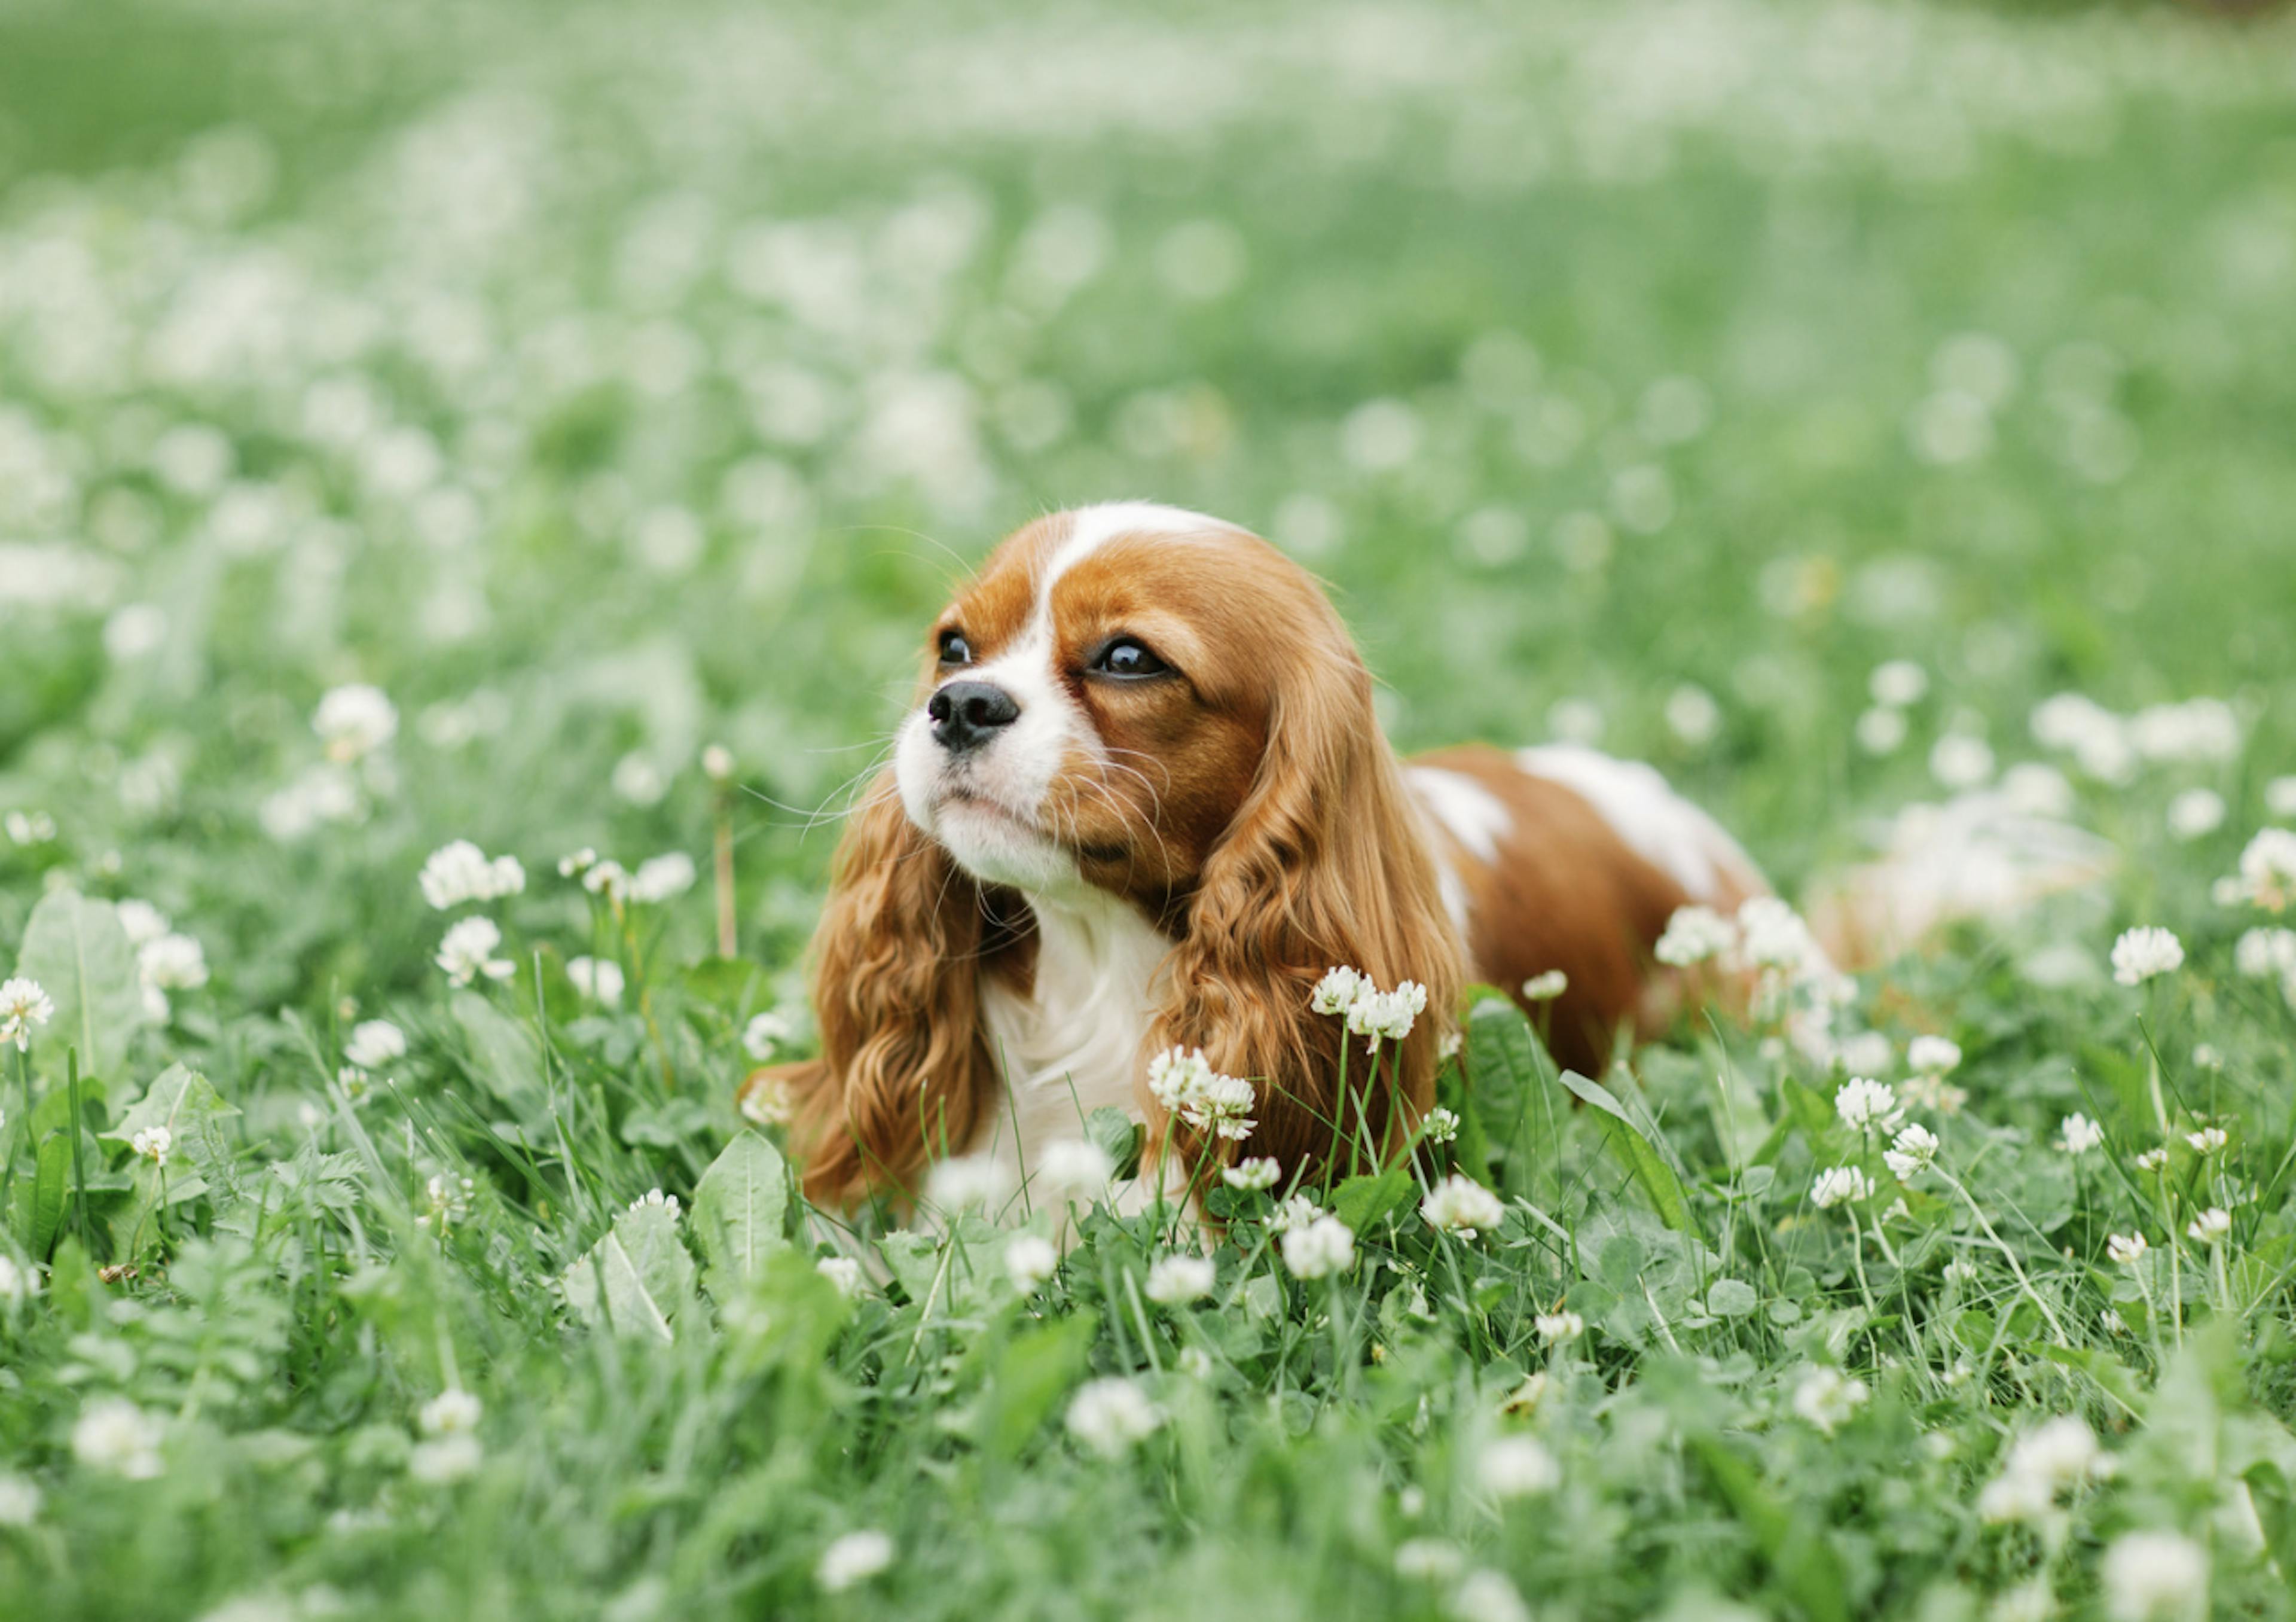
(1143, 801)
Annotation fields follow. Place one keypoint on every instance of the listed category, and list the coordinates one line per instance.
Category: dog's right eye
(955, 649)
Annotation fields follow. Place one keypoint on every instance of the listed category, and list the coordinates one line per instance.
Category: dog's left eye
(955, 649)
(1128, 656)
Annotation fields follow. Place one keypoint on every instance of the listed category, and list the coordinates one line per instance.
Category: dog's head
(1154, 705)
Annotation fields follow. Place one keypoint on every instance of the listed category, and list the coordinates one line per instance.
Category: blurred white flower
(2280, 797)
(1183, 1081)
(154, 1143)
(19, 1501)
(2195, 814)
(2263, 954)
(1442, 1126)
(2145, 954)
(853, 1558)
(656, 1200)
(1462, 1205)
(1110, 1415)
(459, 872)
(1865, 1104)
(468, 950)
(1485, 1595)
(2126, 1248)
(1827, 1399)
(1252, 1175)
(763, 1035)
(1866, 1053)
(966, 1180)
(446, 1200)
(1517, 1467)
(2267, 870)
(173, 962)
(16, 1285)
(1881, 731)
(2208, 1140)
(23, 1004)
(1074, 1166)
(2150, 1576)
(2152, 1159)
(2078, 1135)
(1933, 1055)
(114, 1435)
(2211, 1226)
(1961, 761)
(443, 1460)
(1694, 935)
(767, 1102)
(1558, 1326)
(1839, 1184)
(354, 721)
(1173, 1280)
(842, 1271)
(2198, 729)
(660, 877)
(454, 1412)
(1911, 1153)
(1545, 987)
(374, 1044)
(2053, 1458)
(1898, 684)
(1433, 1559)
(142, 920)
(1693, 716)
(1029, 1260)
(599, 979)
(1320, 1248)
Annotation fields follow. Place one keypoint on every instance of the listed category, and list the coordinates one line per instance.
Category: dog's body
(1144, 802)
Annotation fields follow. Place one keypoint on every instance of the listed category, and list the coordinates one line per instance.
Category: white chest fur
(1073, 1044)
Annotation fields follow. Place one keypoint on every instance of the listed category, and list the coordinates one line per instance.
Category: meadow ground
(430, 422)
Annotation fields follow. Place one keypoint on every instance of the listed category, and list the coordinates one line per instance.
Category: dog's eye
(1128, 656)
(955, 649)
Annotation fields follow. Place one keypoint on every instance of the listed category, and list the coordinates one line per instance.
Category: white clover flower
(459, 872)
(2208, 1140)
(1110, 1415)
(443, 1460)
(1336, 992)
(19, 1501)
(141, 921)
(1933, 1092)
(767, 1102)
(1450, 1045)
(765, 1034)
(2280, 797)
(1898, 685)
(2266, 954)
(1962, 760)
(23, 1004)
(467, 951)
(2053, 1458)
(1695, 934)
(114, 1435)
(375, 1044)
(173, 962)
(600, 980)
(1252, 1175)
(1864, 1104)
(1771, 935)
(1517, 1467)
(1320, 1248)
(1432, 1560)
(1029, 1260)
(2153, 1574)
(1075, 1166)
(718, 763)
(2126, 1249)
(1183, 1081)
(1881, 730)
(1442, 1126)
(1933, 1055)
(1175, 1280)
(2145, 954)
(1545, 987)
(1558, 1326)
(1195, 1363)
(2211, 1226)
(660, 877)
(1297, 1212)
(2152, 1159)
(354, 721)
(656, 1200)
(454, 1412)
(446, 1201)
(2195, 814)
(2268, 870)
(576, 862)
(853, 1558)
(967, 1181)
(2079, 1134)
(1867, 1053)
(842, 1271)
(16, 1285)
(1911, 1153)
(1485, 1595)
(1387, 1015)
(154, 1143)
(1462, 1205)
(1840, 1183)
(1827, 1399)
(608, 878)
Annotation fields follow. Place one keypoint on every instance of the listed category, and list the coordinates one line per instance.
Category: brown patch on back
(1565, 892)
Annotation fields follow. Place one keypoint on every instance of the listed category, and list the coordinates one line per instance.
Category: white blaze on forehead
(1662, 827)
(1469, 812)
(1091, 528)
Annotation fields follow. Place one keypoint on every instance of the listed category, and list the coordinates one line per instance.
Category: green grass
(602, 383)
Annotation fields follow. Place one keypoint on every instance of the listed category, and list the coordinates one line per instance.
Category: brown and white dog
(1143, 801)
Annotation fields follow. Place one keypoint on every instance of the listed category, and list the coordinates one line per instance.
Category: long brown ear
(1324, 866)
(905, 1071)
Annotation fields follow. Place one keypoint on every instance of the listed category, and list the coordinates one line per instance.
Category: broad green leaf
(739, 1207)
(1120, 1137)
(505, 1059)
(1034, 1372)
(1731, 1298)
(50, 1185)
(1639, 1155)
(636, 1278)
(76, 949)
(188, 1106)
(1361, 1201)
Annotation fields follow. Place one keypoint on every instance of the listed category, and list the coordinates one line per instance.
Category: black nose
(965, 713)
